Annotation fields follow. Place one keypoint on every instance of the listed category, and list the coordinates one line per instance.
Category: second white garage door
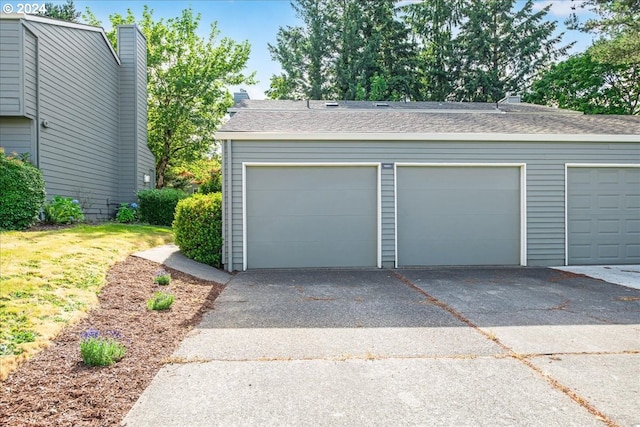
(454, 215)
(311, 216)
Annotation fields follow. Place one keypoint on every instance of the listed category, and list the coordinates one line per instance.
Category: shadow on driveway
(488, 297)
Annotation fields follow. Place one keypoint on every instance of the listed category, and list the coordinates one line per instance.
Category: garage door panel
(632, 226)
(440, 226)
(308, 254)
(464, 249)
(632, 201)
(311, 216)
(458, 215)
(308, 228)
(303, 202)
(603, 215)
(632, 250)
(450, 200)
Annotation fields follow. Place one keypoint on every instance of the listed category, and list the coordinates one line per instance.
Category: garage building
(364, 184)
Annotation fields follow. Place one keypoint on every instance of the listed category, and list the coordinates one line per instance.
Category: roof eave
(60, 23)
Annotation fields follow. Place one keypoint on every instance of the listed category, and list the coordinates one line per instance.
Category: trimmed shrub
(213, 184)
(63, 210)
(158, 207)
(198, 228)
(22, 194)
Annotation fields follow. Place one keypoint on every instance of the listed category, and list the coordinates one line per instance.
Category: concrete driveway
(460, 346)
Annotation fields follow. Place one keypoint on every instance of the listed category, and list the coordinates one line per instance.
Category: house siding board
(11, 69)
(127, 93)
(30, 74)
(387, 207)
(16, 135)
(545, 177)
(146, 160)
(78, 96)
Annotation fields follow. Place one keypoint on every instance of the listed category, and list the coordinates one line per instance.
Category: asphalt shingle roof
(484, 118)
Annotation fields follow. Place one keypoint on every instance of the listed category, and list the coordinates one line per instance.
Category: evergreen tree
(65, 12)
(303, 54)
(618, 26)
(347, 49)
(432, 23)
(499, 50)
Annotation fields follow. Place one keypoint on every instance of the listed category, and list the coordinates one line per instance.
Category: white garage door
(458, 215)
(311, 216)
(603, 215)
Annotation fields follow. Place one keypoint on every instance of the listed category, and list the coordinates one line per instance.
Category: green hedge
(22, 194)
(198, 228)
(158, 207)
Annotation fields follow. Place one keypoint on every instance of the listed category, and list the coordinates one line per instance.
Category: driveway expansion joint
(524, 359)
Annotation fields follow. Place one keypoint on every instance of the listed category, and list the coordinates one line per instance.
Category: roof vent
(381, 104)
(330, 104)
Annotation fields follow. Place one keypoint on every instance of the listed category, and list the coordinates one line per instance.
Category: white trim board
(566, 194)
(523, 198)
(398, 136)
(377, 165)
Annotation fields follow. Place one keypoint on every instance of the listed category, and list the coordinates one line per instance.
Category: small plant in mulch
(162, 277)
(99, 349)
(160, 301)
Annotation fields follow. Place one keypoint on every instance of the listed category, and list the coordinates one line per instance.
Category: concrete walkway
(625, 275)
(518, 347)
(170, 256)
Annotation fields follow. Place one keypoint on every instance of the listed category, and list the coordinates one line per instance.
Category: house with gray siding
(363, 184)
(77, 107)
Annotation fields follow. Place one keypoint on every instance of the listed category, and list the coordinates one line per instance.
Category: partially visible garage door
(311, 216)
(458, 215)
(603, 215)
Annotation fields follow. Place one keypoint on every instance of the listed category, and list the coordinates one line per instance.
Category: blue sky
(258, 21)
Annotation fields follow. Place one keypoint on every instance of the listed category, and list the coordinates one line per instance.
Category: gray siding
(78, 82)
(146, 160)
(11, 87)
(128, 119)
(30, 74)
(16, 135)
(545, 178)
(136, 159)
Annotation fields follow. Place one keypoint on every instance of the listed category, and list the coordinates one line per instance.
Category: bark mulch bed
(56, 388)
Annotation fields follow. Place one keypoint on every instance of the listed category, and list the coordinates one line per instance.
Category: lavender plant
(99, 349)
(162, 277)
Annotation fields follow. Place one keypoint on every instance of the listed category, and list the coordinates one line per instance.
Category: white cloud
(561, 7)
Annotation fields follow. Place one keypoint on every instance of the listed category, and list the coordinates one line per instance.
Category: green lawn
(50, 278)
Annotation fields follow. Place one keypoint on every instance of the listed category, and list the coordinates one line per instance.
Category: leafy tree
(65, 12)
(499, 50)
(187, 80)
(584, 84)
